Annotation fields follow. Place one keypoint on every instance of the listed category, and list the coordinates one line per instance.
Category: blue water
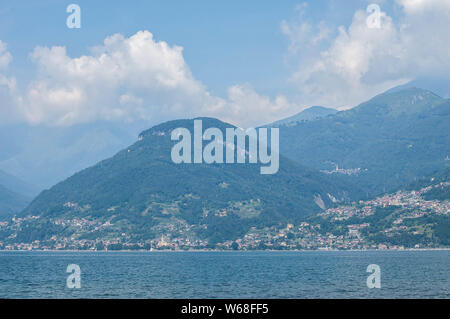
(404, 274)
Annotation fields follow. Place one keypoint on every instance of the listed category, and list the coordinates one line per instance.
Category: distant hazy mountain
(140, 189)
(17, 185)
(310, 114)
(15, 194)
(44, 156)
(11, 202)
(381, 144)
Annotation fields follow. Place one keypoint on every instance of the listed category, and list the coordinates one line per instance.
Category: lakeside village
(308, 235)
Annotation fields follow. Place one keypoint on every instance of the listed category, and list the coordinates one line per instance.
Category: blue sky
(225, 42)
(237, 53)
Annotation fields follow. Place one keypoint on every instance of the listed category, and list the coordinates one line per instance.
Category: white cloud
(8, 87)
(5, 56)
(134, 78)
(421, 6)
(138, 77)
(8, 112)
(244, 103)
(124, 79)
(361, 62)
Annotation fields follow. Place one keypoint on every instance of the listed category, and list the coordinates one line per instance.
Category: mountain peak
(439, 85)
(413, 90)
(401, 101)
(310, 114)
(167, 127)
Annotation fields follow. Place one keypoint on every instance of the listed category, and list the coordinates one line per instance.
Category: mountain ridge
(140, 188)
(381, 144)
(310, 114)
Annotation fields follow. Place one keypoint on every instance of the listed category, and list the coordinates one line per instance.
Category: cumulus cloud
(123, 79)
(8, 87)
(255, 109)
(361, 61)
(140, 78)
(420, 6)
(135, 78)
(5, 56)
(302, 34)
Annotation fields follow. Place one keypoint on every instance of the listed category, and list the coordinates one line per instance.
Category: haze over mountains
(43, 156)
(17, 185)
(15, 194)
(11, 202)
(33, 158)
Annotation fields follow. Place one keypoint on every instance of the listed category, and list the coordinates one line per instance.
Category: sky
(245, 62)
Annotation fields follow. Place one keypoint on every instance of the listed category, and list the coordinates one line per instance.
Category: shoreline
(223, 251)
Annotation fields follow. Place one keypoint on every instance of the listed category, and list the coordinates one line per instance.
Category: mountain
(439, 85)
(382, 144)
(416, 215)
(140, 193)
(15, 194)
(310, 114)
(11, 202)
(17, 185)
(441, 178)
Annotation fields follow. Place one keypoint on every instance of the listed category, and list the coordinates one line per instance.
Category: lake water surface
(340, 274)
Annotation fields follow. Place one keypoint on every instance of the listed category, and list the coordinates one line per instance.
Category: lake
(315, 274)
